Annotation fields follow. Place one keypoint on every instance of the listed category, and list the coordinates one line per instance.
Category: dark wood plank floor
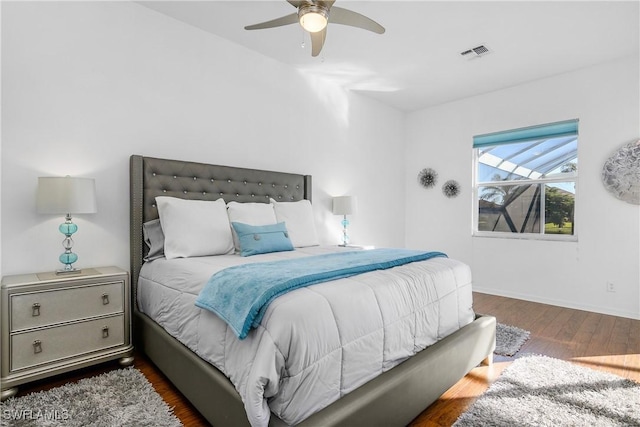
(598, 341)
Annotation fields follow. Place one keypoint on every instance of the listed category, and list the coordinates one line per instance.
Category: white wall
(606, 99)
(87, 84)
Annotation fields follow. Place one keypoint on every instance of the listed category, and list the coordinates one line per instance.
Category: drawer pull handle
(105, 299)
(35, 309)
(37, 347)
(105, 332)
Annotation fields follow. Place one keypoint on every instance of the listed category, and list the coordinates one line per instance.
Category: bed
(394, 397)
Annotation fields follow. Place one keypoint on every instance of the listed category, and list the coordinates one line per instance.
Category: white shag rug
(541, 391)
(509, 339)
(122, 397)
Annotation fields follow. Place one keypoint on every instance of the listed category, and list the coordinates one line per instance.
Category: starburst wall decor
(451, 188)
(427, 177)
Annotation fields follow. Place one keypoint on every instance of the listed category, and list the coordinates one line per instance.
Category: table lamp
(66, 195)
(344, 205)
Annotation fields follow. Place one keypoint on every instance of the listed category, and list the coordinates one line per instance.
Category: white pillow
(298, 218)
(250, 214)
(194, 227)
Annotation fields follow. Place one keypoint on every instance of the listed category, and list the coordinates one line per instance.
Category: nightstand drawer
(43, 308)
(48, 345)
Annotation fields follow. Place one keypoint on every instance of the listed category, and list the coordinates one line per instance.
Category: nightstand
(363, 247)
(57, 323)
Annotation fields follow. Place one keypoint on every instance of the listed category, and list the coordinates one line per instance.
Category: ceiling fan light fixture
(313, 18)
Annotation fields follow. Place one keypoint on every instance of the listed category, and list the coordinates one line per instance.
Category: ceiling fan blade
(327, 3)
(317, 41)
(278, 22)
(297, 3)
(342, 16)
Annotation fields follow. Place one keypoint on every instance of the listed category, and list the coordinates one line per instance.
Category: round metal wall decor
(621, 173)
(451, 188)
(427, 177)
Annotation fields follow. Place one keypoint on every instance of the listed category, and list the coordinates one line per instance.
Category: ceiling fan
(314, 15)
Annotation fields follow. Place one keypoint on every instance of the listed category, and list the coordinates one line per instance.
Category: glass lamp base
(68, 257)
(345, 236)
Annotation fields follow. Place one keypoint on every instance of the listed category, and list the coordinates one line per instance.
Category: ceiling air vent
(475, 52)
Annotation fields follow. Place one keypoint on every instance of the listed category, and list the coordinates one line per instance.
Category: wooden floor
(597, 341)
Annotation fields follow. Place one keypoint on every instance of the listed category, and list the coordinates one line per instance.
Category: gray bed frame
(392, 399)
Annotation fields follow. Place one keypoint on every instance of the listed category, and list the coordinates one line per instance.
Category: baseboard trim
(559, 303)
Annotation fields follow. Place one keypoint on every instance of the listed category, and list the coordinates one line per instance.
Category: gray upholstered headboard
(151, 177)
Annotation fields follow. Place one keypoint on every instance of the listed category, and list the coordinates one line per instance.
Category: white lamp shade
(66, 195)
(344, 205)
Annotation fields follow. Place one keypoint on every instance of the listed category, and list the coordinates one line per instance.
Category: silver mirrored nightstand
(57, 323)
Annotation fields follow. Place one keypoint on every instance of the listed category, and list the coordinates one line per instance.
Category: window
(525, 182)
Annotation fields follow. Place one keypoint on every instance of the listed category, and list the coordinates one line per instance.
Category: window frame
(541, 235)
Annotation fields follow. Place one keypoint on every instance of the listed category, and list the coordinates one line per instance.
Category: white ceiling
(417, 62)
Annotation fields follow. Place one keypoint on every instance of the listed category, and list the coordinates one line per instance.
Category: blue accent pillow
(262, 239)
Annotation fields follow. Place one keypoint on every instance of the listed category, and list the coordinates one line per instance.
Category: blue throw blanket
(241, 294)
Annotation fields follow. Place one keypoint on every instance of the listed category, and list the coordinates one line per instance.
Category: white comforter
(314, 344)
